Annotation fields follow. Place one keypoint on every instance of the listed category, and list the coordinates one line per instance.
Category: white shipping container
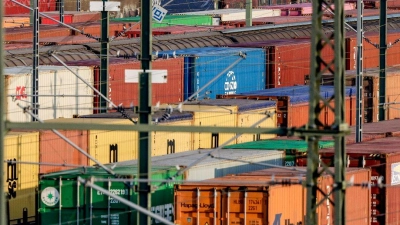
(60, 92)
(235, 14)
(241, 161)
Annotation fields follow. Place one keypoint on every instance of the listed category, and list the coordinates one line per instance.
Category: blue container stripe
(300, 94)
(203, 64)
(180, 6)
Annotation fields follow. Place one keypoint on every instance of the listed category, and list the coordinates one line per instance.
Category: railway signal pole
(319, 66)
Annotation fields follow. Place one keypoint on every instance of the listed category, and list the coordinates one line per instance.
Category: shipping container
(54, 150)
(235, 14)
(171, 20)
(15, 21)
(293, 106)
(270, 20)
(11, 8)
(211, 71)
(21, 150)
(14, 34)
(292, 148)
(60, 92)
(371, 52)
(230, 113)
(382, 157)
(64, 200)
(176, 29)
(358, 199)
(241, 202)
(71, 17)
(284, 65)
(124, 89)
(205, 164)
(305, 8)
(371, 91)
(109, 146)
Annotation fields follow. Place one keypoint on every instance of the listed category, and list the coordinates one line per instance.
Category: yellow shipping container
(164, 143)
(230, 113)
(21, 178)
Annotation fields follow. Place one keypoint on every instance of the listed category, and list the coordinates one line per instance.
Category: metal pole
(104, 57)
(215, 4)
(78, 5)
(340, 115)
(144, 110)
(359, 80)
(2, 127)
(35, 72)
(382, 59)
(249, 12)
(61, 10)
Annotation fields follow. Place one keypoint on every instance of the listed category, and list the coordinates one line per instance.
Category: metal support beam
(61, 10)
(35, 64)
(144, 110)
(249, 13)
(318, 102)
(382, 59)
(103, 85)
(2, 127)
(359, 78)
(78, 5)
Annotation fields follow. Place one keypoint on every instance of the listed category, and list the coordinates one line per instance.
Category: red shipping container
(25, 33)
(11, 8)
(382, 156)
(67, 19)
(55, 150)
(127, 93)
(371, 53)
(71, 17)
(288, 60)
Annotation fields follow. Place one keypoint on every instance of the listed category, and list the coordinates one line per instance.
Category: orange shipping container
(241, 203)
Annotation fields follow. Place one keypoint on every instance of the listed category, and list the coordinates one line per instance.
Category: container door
(197, 207)
(368, 99)
(242, 207)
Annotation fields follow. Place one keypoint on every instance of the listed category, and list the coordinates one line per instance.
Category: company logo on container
(230, 84)
(395, 173)
(50, 196)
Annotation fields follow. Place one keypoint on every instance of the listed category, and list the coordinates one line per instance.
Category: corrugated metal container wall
(55, 150)
(224, 162)
(247, 73)
(164, 143)
(392, 93)
(71, 17)
(21, 179)
(236, 14)
(11, 8)
(241, 204)
(172, 20)
(78, 203)
(285, 66)
(61, 93)
(14, 34)
(179, 6)
(126, 93)
(371, 53)
(393, 192)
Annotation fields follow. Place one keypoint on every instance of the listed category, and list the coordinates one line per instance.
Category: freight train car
(383, 158)
(85, 205)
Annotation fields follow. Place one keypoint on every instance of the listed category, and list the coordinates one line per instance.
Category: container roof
(98, 171)
(21, 70)
(206, 51)
(243, 104)
(185, 159)
(298, 93)
(276, 144)
(167, 17)
(175, 115)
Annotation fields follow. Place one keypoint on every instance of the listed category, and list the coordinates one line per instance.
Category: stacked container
(211, 71)
(293, 105)
(60, 92)
(21, 179)
(383, 158)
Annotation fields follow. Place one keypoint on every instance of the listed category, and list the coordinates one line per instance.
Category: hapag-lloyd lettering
(202, 205)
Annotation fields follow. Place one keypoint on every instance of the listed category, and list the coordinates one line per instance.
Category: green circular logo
(50, 196)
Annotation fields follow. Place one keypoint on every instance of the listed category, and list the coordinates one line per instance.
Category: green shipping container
(292, 148)
(174, 20)
(63, 200)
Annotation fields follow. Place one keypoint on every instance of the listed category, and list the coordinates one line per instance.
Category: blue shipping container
(220, 70)
(180, 6)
